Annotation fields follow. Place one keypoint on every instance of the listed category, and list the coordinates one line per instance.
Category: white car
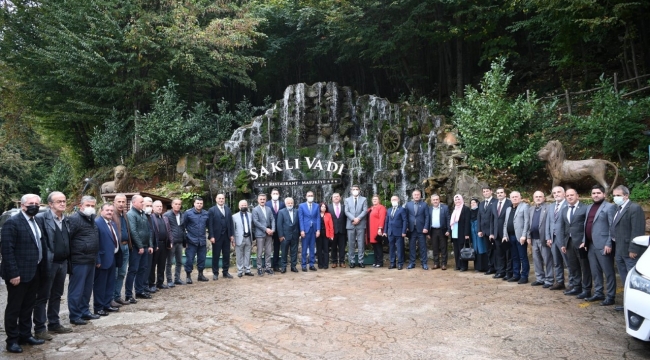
(637, 295)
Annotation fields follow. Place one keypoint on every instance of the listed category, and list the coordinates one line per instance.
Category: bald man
(536, 238)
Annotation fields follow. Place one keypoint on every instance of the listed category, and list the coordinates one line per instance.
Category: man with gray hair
(141, 239)
(124, 237)
(175, 218)
(536, 238)
(162, 240)
(242, 239)
(84, 246)
(288, 226)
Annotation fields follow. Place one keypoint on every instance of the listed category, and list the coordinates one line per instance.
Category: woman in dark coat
(460, 229)
(480, 247)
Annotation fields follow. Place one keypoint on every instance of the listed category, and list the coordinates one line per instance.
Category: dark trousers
(20, 305)
(323, 250)
(136, 276)
(419, 239)
(190, 252)
(600, 264)
(289, 246)
(578, 264)
(221, 248)
(491, 254)
(439, 243)
(338, 248)
(396, 249)
(80, 287)
(275, 262)
(503, 257)
(174, 255)
(103, 288)
(458, 244)
(520, 263)
(49, 296)
(378, 249)
(624, 263)
(157, 267)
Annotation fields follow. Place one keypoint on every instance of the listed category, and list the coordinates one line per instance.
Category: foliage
(498, 131)
(112, 142)
(187, 200)
(640, 192)
(57, 180)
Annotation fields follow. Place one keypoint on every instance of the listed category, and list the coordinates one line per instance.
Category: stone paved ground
(351, 313)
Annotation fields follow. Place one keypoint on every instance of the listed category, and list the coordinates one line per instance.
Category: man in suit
(108, 258)
(439, 231)
(628, 223)
(309, 222)
(598, 243)
(337, 209)
(195, 223)
(536, 237)
(263, 229)
(502, 249)
(515, 226)
(275, 205)
(356, 209)
(124, 236)
(220, 231)
(175, 219)
(288, 226)
(242, 239)
(23, 266)
(140, 234)
(484, 226)
(395, 228)
(419, 221)
(554, 232)
(49, 293)
(84, 245)
(162, 236)
(574, 216)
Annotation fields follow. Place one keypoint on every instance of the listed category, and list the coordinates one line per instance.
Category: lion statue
(563, 170)
(189, 182)
(119, 180)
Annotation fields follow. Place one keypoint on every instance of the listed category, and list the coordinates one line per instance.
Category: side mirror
(641, 240)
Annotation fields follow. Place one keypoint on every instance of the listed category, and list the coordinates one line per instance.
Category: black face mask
(32, 210)
(244, 209)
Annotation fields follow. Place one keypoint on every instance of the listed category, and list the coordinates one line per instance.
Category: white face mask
(474, 207)
(355, 192)
(310, 199)
(148, 210)
(290, 207)
(275, 197)
(89, 211)
(619, 200)
(394, 203)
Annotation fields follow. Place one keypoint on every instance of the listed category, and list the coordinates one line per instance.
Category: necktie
(338, 210)
(275, 207)
(415, 208)
(37, 236)
(486, 204)
(355, 204)
(392, 214)
(557, 208)
(245, 222)
(617, 211)
(499, 208)
(222, 211)
(571, 213)
(110, 227)
(309, 206)
(291, 215)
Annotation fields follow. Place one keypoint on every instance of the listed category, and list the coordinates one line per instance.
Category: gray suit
(554, 231)
(356, 233)
(520, 221)
(574, 233)
(261, 222)
(542, 257)
(243, 244)
(628, 223)
(600, 237)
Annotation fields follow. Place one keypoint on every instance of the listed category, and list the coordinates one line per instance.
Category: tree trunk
(459, 62)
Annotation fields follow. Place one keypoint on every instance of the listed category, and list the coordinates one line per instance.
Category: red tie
(275, 207)
(499, 209)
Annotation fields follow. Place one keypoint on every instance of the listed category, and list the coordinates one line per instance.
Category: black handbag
(467, 253)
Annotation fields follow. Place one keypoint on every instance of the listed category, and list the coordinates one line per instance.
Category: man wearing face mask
(337, 209)
(242, 239)
(275, 205)
(288, 226)
(141, 239)
(150, 286)
(395, 228)
(356, 209)
(628, 223)
(84, 246)
(309, 218)
(263, 229)
(162, 237)
(24, 258)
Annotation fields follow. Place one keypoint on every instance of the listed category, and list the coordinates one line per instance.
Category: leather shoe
(463, 270)
(304, 268)
(202, 277)
(215, 276)
(312, 268)
(489, 272)
(14, 348)
(506, 278)
(293, 269)
(595, 298)
(523, 281)
(351, 265)
(334, 266)
(573, 291)
(499, 276)
(188, 280)
(170, 284)
(249, 274)
(269, 271)
(391, 266)
(537, 283)
(151, 289)
(115, 304)
(78, 322)
(162, 286)
(121, 302)
(30, 341)
(284, 270)
(276, 269)
(435, 267)
(361, 265)
(131, 300)
(425, 267)
(143, 296)
(260, 272)
(546, 286)
(400, 267)
(443, 267)
(343, 265)
(227, 276)
(513, 279)
(101, 313)
(90, 317)
(619, 308)
(112, 309)
(557, 286)
(179, 282)
(607, 302)
(43, 335)
(583, 295)
(411, 266)
(60, 329)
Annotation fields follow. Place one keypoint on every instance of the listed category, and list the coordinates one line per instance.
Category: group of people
(134, 249)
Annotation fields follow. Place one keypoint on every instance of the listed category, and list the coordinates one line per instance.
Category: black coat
(464, 224)
(19, 250)
(84, 239)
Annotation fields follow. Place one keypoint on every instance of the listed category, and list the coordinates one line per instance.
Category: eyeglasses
(59, 201)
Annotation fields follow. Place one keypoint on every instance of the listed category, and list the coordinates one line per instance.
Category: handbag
(467, 253)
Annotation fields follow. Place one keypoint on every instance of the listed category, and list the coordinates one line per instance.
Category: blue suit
(290, 231)
(109, 260)
(396, 225)
(309, 223)
(276, 238)
(417, 223)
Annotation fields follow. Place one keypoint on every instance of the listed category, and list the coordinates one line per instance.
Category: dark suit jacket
(215, 218)
(499, 219)
(118, 228)
(464, 224)
(48, 224)
(484, 218)
(269, 204)
(628, 224)
(290, 231)
(445, 217)
(420, 221)
(576, 229)
(19, 250)
(106, 255)
(340, 222)
(309, 220)
(397, 224)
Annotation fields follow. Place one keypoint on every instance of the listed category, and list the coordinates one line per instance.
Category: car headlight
(639, 282)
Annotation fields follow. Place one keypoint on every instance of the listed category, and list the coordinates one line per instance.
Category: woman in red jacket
(376, 219)
(326, 235)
